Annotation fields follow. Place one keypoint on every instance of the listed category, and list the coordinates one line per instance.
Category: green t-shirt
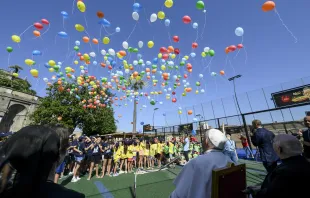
(197, 148)
(166, 149)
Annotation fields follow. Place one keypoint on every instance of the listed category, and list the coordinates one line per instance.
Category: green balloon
(211, 52)
(197, 83)
(152, 102)
(76, 48)
(135, 50)
(182, 63)
(9, 49)
(176, 67)
(200, 5)
(130, 49)
(154, 66)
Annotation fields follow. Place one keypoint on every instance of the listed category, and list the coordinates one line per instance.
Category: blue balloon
(118, 29)
(136, 7)
(164, 114)
(139, 56)
(95, 63)
(36, 53)
(77, 43)
(46, 65)
(110, 59)
(167, 22)
(63, 34)
(142, 123)
(155, 60)
(64, 14)
(193, 132)
(113, 63)
(105, 23)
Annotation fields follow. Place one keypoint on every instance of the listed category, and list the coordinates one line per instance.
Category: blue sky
(272, 55)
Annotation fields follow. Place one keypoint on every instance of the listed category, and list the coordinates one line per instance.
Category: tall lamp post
(153, 119)
(243, 118)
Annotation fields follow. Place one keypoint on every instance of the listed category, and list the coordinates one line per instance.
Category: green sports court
(151, 184)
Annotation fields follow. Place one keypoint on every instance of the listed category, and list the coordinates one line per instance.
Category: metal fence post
(201, 139)
(246, 130)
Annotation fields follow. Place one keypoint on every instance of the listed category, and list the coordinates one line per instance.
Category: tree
(73, 106)
(16, 68)
(135, 84)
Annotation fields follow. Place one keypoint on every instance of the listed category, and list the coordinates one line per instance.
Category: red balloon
(176, 39)
(174, 100)
(163, 50)
(173, 93)
(189, 66)
(186, 19)
(239, 46)
(185, 75)
(45, 21)
(194, 45)
(176, 51)
(39, 26)
(232, 48)
(79, 54)
(165, 56)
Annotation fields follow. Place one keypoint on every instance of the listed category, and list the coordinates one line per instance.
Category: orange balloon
(135, 74)
(170, 49)
(227, 50)
(36, 33)
(131, 67)
(189, 112)
(85, 39)
(148, 77)
(102, 64)
(95, 41)
(147, 70)
(154, 71)
(100, 14)
(222, 72)
(268, 6)
(122, 53)
(165, 75)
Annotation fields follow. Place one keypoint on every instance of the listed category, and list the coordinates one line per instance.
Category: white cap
(217, 138)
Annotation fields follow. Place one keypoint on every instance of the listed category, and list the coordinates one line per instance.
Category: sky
(271, 56)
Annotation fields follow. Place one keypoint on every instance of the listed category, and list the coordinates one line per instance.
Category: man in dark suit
(263, 139)
(289, 178)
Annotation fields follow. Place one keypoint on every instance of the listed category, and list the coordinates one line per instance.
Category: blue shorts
(79, 159)
(60, 168)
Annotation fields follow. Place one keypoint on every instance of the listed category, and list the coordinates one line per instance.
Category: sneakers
(115, 175)
(121, 172)
(125, 172)
(71, 173)
(74, 180)
(78, 178)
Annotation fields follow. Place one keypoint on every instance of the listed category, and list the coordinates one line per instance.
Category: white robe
(195, 179)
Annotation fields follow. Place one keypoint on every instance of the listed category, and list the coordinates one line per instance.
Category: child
(141, 154)
(95, 158)
(117, 155)
(78, 148)
(166, 151)
(124, 158)
(135, 153)
(153, 149)
(159, 153)
(147, 155)
(130, 156)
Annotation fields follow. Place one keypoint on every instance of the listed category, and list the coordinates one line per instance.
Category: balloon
(142, 123)
(63, 34)
(150, 44)
(153, 17)
(268, 6)
(9, 49)
(213, 74)
(135, 16)
(200, 5)
(222, 72)
(211, 52)
(194, 45)
(167, 22)
(117, 29)
(79, 28)
(239, 46)
(140, 44)
(125, 45)
(64, 14)
(206, 49)
(29, 62)
(193, 54)
(39, 26)
(95, 41)
(189, 112)
(186, 19)
(105, 23)
(195, 25)
(200, 75)
(106, 40)
(232, 48)
(103, 52)
(136, 7)
(45, 21)
(100, 14)
(85, 39)
(92, 54)
(36, 33)
(176, 39)
(161, 15)
(51, 63)
(81, 6)
(36, 53)
(168, 3)
(77, 43)
(202, 91)
(239, 31)
(111, 52)
(34, 73)
(16, 39)
(95, 63)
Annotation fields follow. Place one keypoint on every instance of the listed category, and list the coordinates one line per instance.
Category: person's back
(263, 139)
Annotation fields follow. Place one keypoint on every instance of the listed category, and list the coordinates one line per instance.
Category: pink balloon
(45, 21)
(186, 19)
(232, 48)
(239, 46)
(39, 26)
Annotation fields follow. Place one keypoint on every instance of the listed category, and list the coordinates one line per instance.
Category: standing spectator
(246, 147)
(79, 149)
(186, 147)
(230, 149)
(306, 137)
(263, 139)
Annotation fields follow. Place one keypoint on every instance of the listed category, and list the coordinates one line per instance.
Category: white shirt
(186, 146)
(195, 179)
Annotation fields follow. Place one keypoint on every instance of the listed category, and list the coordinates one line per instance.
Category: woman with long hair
(117, 155)
(124, 158)
(130, 156)
(147, 159)
(141, 154)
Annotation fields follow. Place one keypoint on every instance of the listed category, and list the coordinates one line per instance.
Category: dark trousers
(186, 155)
(270, 166)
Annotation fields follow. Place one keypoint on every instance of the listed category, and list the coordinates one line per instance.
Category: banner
(297, 95)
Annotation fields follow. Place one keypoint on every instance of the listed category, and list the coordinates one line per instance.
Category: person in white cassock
(195, 179)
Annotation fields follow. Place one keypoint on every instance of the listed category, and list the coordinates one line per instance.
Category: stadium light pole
(233, 80)
(153, 117)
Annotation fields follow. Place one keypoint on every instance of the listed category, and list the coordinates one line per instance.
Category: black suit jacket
(289, 179)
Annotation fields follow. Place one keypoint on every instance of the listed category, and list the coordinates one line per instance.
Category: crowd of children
(86, 154)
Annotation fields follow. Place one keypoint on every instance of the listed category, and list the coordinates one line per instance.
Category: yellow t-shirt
(146, 152)
(153, 150)
(142, 146)
(117, 154)
(171, 148)
(124, 155)
(135, 150)
(129, 151)
(160, 148)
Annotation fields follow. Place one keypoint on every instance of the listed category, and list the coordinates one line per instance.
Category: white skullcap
(217, 138)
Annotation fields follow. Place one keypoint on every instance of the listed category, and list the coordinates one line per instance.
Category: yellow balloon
(29, 62)
(106, 40)
(79, 28)
(51, 70)
(81, 67)
(15, 75)
(81, 6)
(173, 56)
(150, 44)
(51, 63)
(160, 55)
(180, 112)
(126, 66)
(34, 72)
(186, 57)
(124, 62)
(161, 15)
(197, 92)
(76, 62)
(203, 54)
(163, 67)
(105, 58)
(86, 57)
(168, 3)
(16, 39)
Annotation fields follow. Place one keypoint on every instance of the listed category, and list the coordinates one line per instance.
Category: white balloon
(140, 44)
(135, 62)
(204, 11)
(45, 80)
(153, 77)
(111, 52)
(202, 91)
(92, 54)
(153, 17)
(180, 108)
(169, 89)
(135, 16)
(206, 49)
(148, 73)
(165, 90)
(184, 81)
(193, 54)
(160, 102)
(125, 45)
(200, 75)
(126, 71)
(148, 63)
(149, 97)
(239, 31)
(195, 25)
(77, 43)
(160, 72)
(59, 63)
(118, 29)
(103, 52)
(107, 62)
